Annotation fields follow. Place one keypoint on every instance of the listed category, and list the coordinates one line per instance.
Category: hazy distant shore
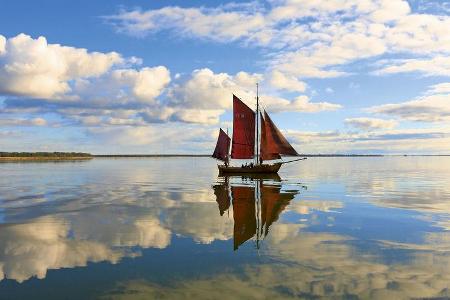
(44, 156)
(74, 156)
(302, 155)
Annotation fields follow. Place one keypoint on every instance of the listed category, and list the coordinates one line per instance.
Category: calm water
(167, 228)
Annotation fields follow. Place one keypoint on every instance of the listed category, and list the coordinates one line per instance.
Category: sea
(171, 228)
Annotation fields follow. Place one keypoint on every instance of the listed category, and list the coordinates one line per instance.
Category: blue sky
(157, 76)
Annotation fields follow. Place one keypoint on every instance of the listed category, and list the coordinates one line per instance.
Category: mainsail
(243, 146)
(222, 146)
(273, 143)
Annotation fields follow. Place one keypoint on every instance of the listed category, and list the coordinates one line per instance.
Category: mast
(257, 125)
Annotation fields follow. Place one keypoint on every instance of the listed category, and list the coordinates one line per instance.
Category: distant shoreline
(303, 155)
(74, 156)
(150, 155)
(42, 158)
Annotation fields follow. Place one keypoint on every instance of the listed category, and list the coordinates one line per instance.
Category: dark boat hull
(259, 169)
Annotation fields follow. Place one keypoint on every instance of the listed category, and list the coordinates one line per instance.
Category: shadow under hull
(259, 169)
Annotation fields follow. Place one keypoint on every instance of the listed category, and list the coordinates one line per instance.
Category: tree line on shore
(44, 154)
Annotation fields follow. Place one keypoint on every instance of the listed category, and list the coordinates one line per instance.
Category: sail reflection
(257, 203)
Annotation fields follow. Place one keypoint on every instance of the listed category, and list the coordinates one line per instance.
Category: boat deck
(264, 168)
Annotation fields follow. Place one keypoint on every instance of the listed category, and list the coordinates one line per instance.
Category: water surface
(170, 228)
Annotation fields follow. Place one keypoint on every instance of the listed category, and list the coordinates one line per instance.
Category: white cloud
(211, 92)
(23, 122)
(430, 108)
(203, 116)
(303, 104)
(396, 141)
(289, 83)
(146, 83)
(304, 38)
(441, 88)
(32, 67)
(371, 123)
(420, 34)
(2, 44)
(206, 90)
(389, 10)
(215, 24)
(435, 66)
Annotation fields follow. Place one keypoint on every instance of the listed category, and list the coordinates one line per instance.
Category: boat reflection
(257, 202)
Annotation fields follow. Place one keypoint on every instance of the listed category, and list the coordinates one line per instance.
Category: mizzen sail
(243, 146)
(273, 143)
(222, 146)
(268, 148)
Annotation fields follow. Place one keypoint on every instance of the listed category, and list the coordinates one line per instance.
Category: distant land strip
(61, 156)
(304, 155)
(151, 155)
(209, 155)
(43, 156)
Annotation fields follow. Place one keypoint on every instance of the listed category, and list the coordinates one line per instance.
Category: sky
(122, 77)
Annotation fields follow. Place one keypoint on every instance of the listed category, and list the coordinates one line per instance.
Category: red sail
(243, 130)
(243, 214)
(274, 141)
(222, 146)
(268, 151)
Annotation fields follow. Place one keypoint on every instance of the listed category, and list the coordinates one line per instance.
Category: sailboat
(249, 142)
(252, 220)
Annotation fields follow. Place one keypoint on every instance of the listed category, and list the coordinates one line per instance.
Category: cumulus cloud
(87, 87)
(289, 83)
(371, 123)
(146, 83)
(33, 67)
(99, 89)
(208, 90)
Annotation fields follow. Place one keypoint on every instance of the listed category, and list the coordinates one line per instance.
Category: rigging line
(286, 162)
